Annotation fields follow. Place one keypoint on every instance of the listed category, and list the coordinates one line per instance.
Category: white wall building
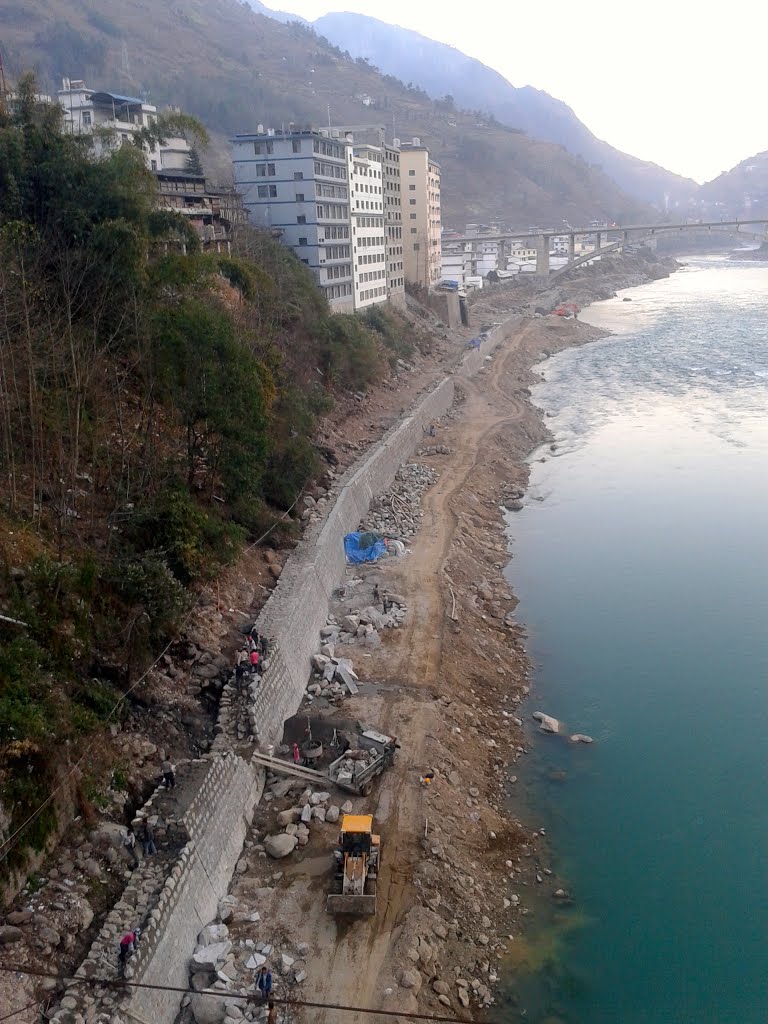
(487, 258)
(298, 183)
(458, 262)
(369, 241)
(393, 216)
(113, 120)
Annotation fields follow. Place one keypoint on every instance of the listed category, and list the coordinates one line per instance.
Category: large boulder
(280, 845)
(289, 817)
(546, 722)
(410, 979)
(213, 934)
(207, 1009)
(207, 958)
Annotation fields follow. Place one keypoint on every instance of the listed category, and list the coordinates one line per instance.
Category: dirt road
(356, 958)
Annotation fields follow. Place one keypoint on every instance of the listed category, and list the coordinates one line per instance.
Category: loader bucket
(357, 906)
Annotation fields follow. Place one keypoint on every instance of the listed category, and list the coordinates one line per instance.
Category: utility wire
(217, 994)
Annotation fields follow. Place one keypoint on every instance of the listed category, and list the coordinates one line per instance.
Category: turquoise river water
(641, 564)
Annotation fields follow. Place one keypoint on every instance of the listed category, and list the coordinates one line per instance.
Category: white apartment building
(113, 120)
(422, 222)
(487, 258)
(369, 242)
(393, 217)
(297, 182)
(458, 262)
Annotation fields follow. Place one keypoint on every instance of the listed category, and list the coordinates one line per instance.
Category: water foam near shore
(639, 558)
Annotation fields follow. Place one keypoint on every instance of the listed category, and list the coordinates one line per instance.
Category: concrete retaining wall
(214, 825)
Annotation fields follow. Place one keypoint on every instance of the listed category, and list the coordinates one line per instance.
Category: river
(641, 562)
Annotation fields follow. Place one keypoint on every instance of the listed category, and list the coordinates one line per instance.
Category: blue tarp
(364, 547)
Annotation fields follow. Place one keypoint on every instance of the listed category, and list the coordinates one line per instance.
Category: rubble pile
(334, 677)
(398, 511)
(294, 821)
(229, 966)
(436, 449)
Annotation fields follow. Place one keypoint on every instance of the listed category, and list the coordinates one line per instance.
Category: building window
(298, 176)
(301, 219)
(412, 174)
(273, 191)
(86, 117)
(154, 164)
(412, 202)
(302, 241)
(260, 148)
(413, 216)
(411, 188)
(262, 191)
(296, 145)
(299, 197)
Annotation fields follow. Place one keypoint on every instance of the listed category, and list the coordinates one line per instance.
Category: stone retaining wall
(174, 911)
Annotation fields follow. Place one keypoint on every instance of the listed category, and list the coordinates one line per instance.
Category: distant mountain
(235, 68)
(741, 192)
(285, 16)
(443, 70)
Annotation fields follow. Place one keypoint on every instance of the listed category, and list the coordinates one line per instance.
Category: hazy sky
(680, 82)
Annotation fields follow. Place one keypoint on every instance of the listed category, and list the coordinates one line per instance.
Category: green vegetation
(157, 408)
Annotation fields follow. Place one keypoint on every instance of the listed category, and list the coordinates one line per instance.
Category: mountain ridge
(441, 69)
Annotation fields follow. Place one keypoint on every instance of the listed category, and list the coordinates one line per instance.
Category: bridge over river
(607, 239)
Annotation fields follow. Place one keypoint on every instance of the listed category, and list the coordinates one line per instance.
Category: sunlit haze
(673, 81)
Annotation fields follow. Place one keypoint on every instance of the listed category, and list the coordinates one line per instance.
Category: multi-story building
(113, 120)
(458, 262)
(298, 182)
(211, 212)
(393, 218)
(422, 224)
(369, 243)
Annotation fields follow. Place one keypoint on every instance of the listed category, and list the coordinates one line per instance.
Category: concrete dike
(173, 899)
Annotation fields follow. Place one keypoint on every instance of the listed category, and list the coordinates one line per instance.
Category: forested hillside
(235, 68)
(157, 408)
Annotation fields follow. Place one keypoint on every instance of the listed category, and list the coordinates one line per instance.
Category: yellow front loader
(356, 863)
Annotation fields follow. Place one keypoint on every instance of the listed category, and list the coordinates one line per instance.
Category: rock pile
(436, 449)
(309, 808)
(398, 510)
(228, 966)
(334, 677)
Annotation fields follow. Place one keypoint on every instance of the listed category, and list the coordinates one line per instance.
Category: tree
(194, 164)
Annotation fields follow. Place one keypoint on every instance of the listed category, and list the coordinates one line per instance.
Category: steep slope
(235, 68)
(443, 70)
(740, 192)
